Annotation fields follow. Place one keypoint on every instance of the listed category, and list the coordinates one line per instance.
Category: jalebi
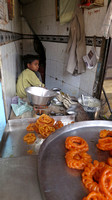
(105, 182)
(94, 196)
(75, 142)
(105, 144)
(46, 130)
(77, 160)
(29, 138)
(109, 161)
(45, 119)
(88, 175)
(105, 133)
(31, 127)
(58, 125)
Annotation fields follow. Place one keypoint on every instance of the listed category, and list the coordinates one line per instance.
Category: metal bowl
(39, 95)
(91, 105)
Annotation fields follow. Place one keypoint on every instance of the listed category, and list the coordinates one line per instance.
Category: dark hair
(29, 59)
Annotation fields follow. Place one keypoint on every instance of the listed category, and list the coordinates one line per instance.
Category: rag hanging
(66, 10)
(76, 47)
(106, 29)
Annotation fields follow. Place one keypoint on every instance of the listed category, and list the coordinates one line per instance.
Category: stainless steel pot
(91, 105)
(39, 95)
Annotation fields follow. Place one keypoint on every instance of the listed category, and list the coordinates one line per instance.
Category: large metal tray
(57, 181)
(12, 144)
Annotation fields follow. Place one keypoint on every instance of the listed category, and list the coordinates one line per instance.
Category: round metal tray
(57, 181)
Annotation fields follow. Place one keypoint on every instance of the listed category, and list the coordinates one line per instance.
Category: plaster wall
(42, 17)
(10, 55)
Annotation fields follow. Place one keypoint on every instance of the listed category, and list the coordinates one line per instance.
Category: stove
(39, 110)
(49, 110)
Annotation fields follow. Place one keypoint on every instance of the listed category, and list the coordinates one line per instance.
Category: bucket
(91, 105)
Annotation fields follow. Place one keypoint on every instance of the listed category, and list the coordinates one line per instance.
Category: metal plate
(12, 144)
(57, 181)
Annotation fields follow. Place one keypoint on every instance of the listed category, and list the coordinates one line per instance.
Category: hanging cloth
(106, 29)
(76, 47)
(67, 8)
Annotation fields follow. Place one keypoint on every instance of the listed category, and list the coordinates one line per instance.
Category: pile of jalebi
(97, 176)
(76, 156)
(91, 175)
(94, 196)
(105, 143)
(101, 188)
(45, 125)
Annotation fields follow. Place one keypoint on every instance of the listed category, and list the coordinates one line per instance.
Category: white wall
(10, 55)
(93, 22)
(41, 16)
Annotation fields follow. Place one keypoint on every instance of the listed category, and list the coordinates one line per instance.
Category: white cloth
(66, 100)
(106, 29)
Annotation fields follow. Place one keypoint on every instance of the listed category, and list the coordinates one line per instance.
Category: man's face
(34, 66)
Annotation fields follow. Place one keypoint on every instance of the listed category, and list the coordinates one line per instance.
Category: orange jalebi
(94, 196)
(29, 138)
(88, 175)
(109, 161)
(105, 133)
(75, 142)
(105, 182)
(46, 130)
(105, 144)
(77, 160)
(31, 127)
(44, 125)
(45, 119)
(58, 125)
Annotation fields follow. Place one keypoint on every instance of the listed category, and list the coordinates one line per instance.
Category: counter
(18, 170)
(18, 178)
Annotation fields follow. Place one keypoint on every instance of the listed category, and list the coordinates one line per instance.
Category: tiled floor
(107, 85)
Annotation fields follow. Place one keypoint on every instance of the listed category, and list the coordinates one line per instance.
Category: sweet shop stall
(55, 100)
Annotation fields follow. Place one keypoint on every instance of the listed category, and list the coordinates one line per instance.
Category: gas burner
(39, 110)
(49, 110)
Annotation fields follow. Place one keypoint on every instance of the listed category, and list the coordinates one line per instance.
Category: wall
(2, 114)
(27, 43)
(93, 22)
(41, 16)
(11, 59)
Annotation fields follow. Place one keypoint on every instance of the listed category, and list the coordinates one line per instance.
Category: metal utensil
(39, 95)
(82, 97)
(52, 159)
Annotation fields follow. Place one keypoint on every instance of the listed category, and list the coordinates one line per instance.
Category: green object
(21, 107)
(66, 11)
